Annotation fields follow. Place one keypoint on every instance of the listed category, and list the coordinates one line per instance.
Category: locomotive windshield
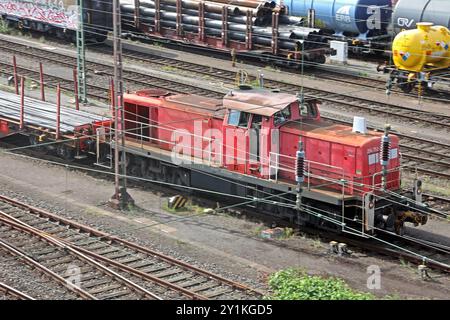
(238, 118)
(282, 116)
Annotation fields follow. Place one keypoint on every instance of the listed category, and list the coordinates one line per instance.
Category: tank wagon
(407, 13)
(421, 57)
(361, 18)
(59, 17)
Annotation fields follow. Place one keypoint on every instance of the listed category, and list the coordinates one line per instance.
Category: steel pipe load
(263, 35)
(238, 18)
(194, 12)
(213, 7)
(43, 114)
(264, 41)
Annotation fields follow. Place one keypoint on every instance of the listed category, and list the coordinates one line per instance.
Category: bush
(4, 27)
(295, 284)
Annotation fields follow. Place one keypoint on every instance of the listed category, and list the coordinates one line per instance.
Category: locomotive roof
(258, 101)
(335, 133)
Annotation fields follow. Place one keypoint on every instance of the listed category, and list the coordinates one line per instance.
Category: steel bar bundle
(43, 114)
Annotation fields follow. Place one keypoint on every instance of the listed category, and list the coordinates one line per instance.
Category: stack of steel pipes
(43, 114)
(291, 35)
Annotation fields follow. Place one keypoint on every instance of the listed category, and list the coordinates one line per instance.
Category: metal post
(249, 33)
(137, 14)
(58, 110)
(121, 198)
(224, 26)
(112, 98)
(75, 89)
(157, 16)
(81, 55)
(179, 22)
(41, 80)
(16, 84)
(275, 17)
(201, 21)
(22, 102)
(299, 172)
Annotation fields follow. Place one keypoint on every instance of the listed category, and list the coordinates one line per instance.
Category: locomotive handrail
(374, 185)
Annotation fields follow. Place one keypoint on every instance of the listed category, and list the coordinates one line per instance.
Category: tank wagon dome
(359, 17)
(407, 13)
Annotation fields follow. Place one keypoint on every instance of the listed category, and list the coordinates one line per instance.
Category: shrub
(295, 284)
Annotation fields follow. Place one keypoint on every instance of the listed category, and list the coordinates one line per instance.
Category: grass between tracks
(296, 284)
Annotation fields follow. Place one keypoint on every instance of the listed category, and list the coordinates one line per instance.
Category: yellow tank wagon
(421, 58)
(423, 49)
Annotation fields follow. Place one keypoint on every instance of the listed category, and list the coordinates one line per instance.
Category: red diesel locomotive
(266, 149)
(246, 146)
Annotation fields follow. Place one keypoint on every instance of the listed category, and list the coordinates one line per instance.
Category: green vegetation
(169, 68)
(296, 284)
(4, 28)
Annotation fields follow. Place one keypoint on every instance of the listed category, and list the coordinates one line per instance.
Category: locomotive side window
(282, 116)
(238, 118)
(307, 110)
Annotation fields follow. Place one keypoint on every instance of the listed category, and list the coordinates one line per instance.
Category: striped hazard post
(177, 202)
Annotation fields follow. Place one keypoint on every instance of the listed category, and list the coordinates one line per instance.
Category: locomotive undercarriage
(350, 217)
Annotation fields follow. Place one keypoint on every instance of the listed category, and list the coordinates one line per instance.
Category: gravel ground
(219, 243)
(30, 281)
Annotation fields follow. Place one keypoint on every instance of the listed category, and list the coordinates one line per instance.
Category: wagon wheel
(405, 85)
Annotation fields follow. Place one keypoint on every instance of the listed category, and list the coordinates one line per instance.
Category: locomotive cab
(252, 123)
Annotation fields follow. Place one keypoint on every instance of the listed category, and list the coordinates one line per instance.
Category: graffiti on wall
(52, 12)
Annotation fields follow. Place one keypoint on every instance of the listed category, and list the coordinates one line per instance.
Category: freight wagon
(59, 17)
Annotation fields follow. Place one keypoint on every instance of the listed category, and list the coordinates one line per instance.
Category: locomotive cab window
(238, 118)
(282, 116)
(307, 110)
(256, 121)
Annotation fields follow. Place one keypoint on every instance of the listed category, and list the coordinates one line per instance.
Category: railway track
(438, 202)
(10, 293)
(425, 156)
(140, 80)
(430, 253)
(111, 268)
(345, 100)
(317, 71)
(434, 254)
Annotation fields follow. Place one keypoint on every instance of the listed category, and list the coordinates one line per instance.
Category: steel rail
(34, 264)
(21, 226)
(8, 290)
(112, 239)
